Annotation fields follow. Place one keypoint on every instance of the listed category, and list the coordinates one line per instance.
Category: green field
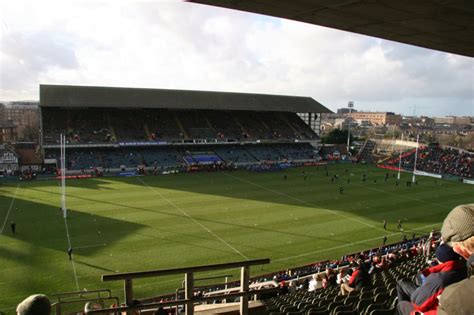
(141, 223)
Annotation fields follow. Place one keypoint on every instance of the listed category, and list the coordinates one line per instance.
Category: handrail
(189, 279)
(72, 293)
(78, 297)
(166, 272)
(154, 305)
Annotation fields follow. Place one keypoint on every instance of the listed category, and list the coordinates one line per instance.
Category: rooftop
(118, 97)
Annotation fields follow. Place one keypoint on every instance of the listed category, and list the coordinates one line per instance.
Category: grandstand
(436, 161)
(122, 128)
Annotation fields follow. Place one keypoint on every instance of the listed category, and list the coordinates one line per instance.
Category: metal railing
(189, 299)
(68, 298)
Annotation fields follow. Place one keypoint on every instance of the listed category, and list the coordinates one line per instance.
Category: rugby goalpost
(413, 179)
(62, 146)
(400, 162)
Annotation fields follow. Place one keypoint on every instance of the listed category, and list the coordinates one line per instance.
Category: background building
(342, 111)
(452, 120)
(22, 115)
(377, 118)
(8, 160)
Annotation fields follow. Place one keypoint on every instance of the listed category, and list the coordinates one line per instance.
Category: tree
(336, 136)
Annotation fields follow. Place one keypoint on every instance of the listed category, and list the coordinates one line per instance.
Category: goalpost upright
(413, 179)
(62, 145)
(400, 160)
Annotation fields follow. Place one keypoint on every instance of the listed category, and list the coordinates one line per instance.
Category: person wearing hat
(37, 304)
(458, 232)
(424, 298)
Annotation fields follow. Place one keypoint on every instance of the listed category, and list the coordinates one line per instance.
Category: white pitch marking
(10, 208)
(216, 272)
(72, 260)
(76, 278)
(305, 202)
(345, 245)
(193, 219)
(410, 198)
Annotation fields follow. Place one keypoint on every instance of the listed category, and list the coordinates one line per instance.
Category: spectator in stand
(378, 263)
(458, 232)
(292, 287)
(359, 278)
(330, 277)
(315, 283)
(342, 277)
(37, 304)
(283, 288)
(434, 280)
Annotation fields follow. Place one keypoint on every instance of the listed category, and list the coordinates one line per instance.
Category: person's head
(458, 230)
(37, 304)
(445, 253)
(354, 266)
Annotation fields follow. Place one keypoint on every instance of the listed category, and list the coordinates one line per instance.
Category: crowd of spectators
(434, 159)
(166, 157)
(371, 260)
(437, 160)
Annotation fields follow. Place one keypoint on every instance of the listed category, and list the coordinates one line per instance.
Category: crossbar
(166, 272)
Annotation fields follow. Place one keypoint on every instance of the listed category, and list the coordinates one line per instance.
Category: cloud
(179, 45)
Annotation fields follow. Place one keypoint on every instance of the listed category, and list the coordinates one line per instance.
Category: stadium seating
(161, 157)
(102, 125)
(366, 151)
(170, 156)
(89, 126)
(298, 152)
(379, 298)
(278, 126)
(235, 153)
(303, 130)
(225, 124)
(128, 125)
(54, 123)
(161, 124)
(252, 125)
(436, 160)
(196, 126)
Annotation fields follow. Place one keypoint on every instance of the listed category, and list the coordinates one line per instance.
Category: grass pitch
(142, 223)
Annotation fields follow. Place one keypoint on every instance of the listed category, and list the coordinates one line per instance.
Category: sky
(180, 45)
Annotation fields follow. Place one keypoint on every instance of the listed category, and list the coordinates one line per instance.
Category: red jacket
(425, 298)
